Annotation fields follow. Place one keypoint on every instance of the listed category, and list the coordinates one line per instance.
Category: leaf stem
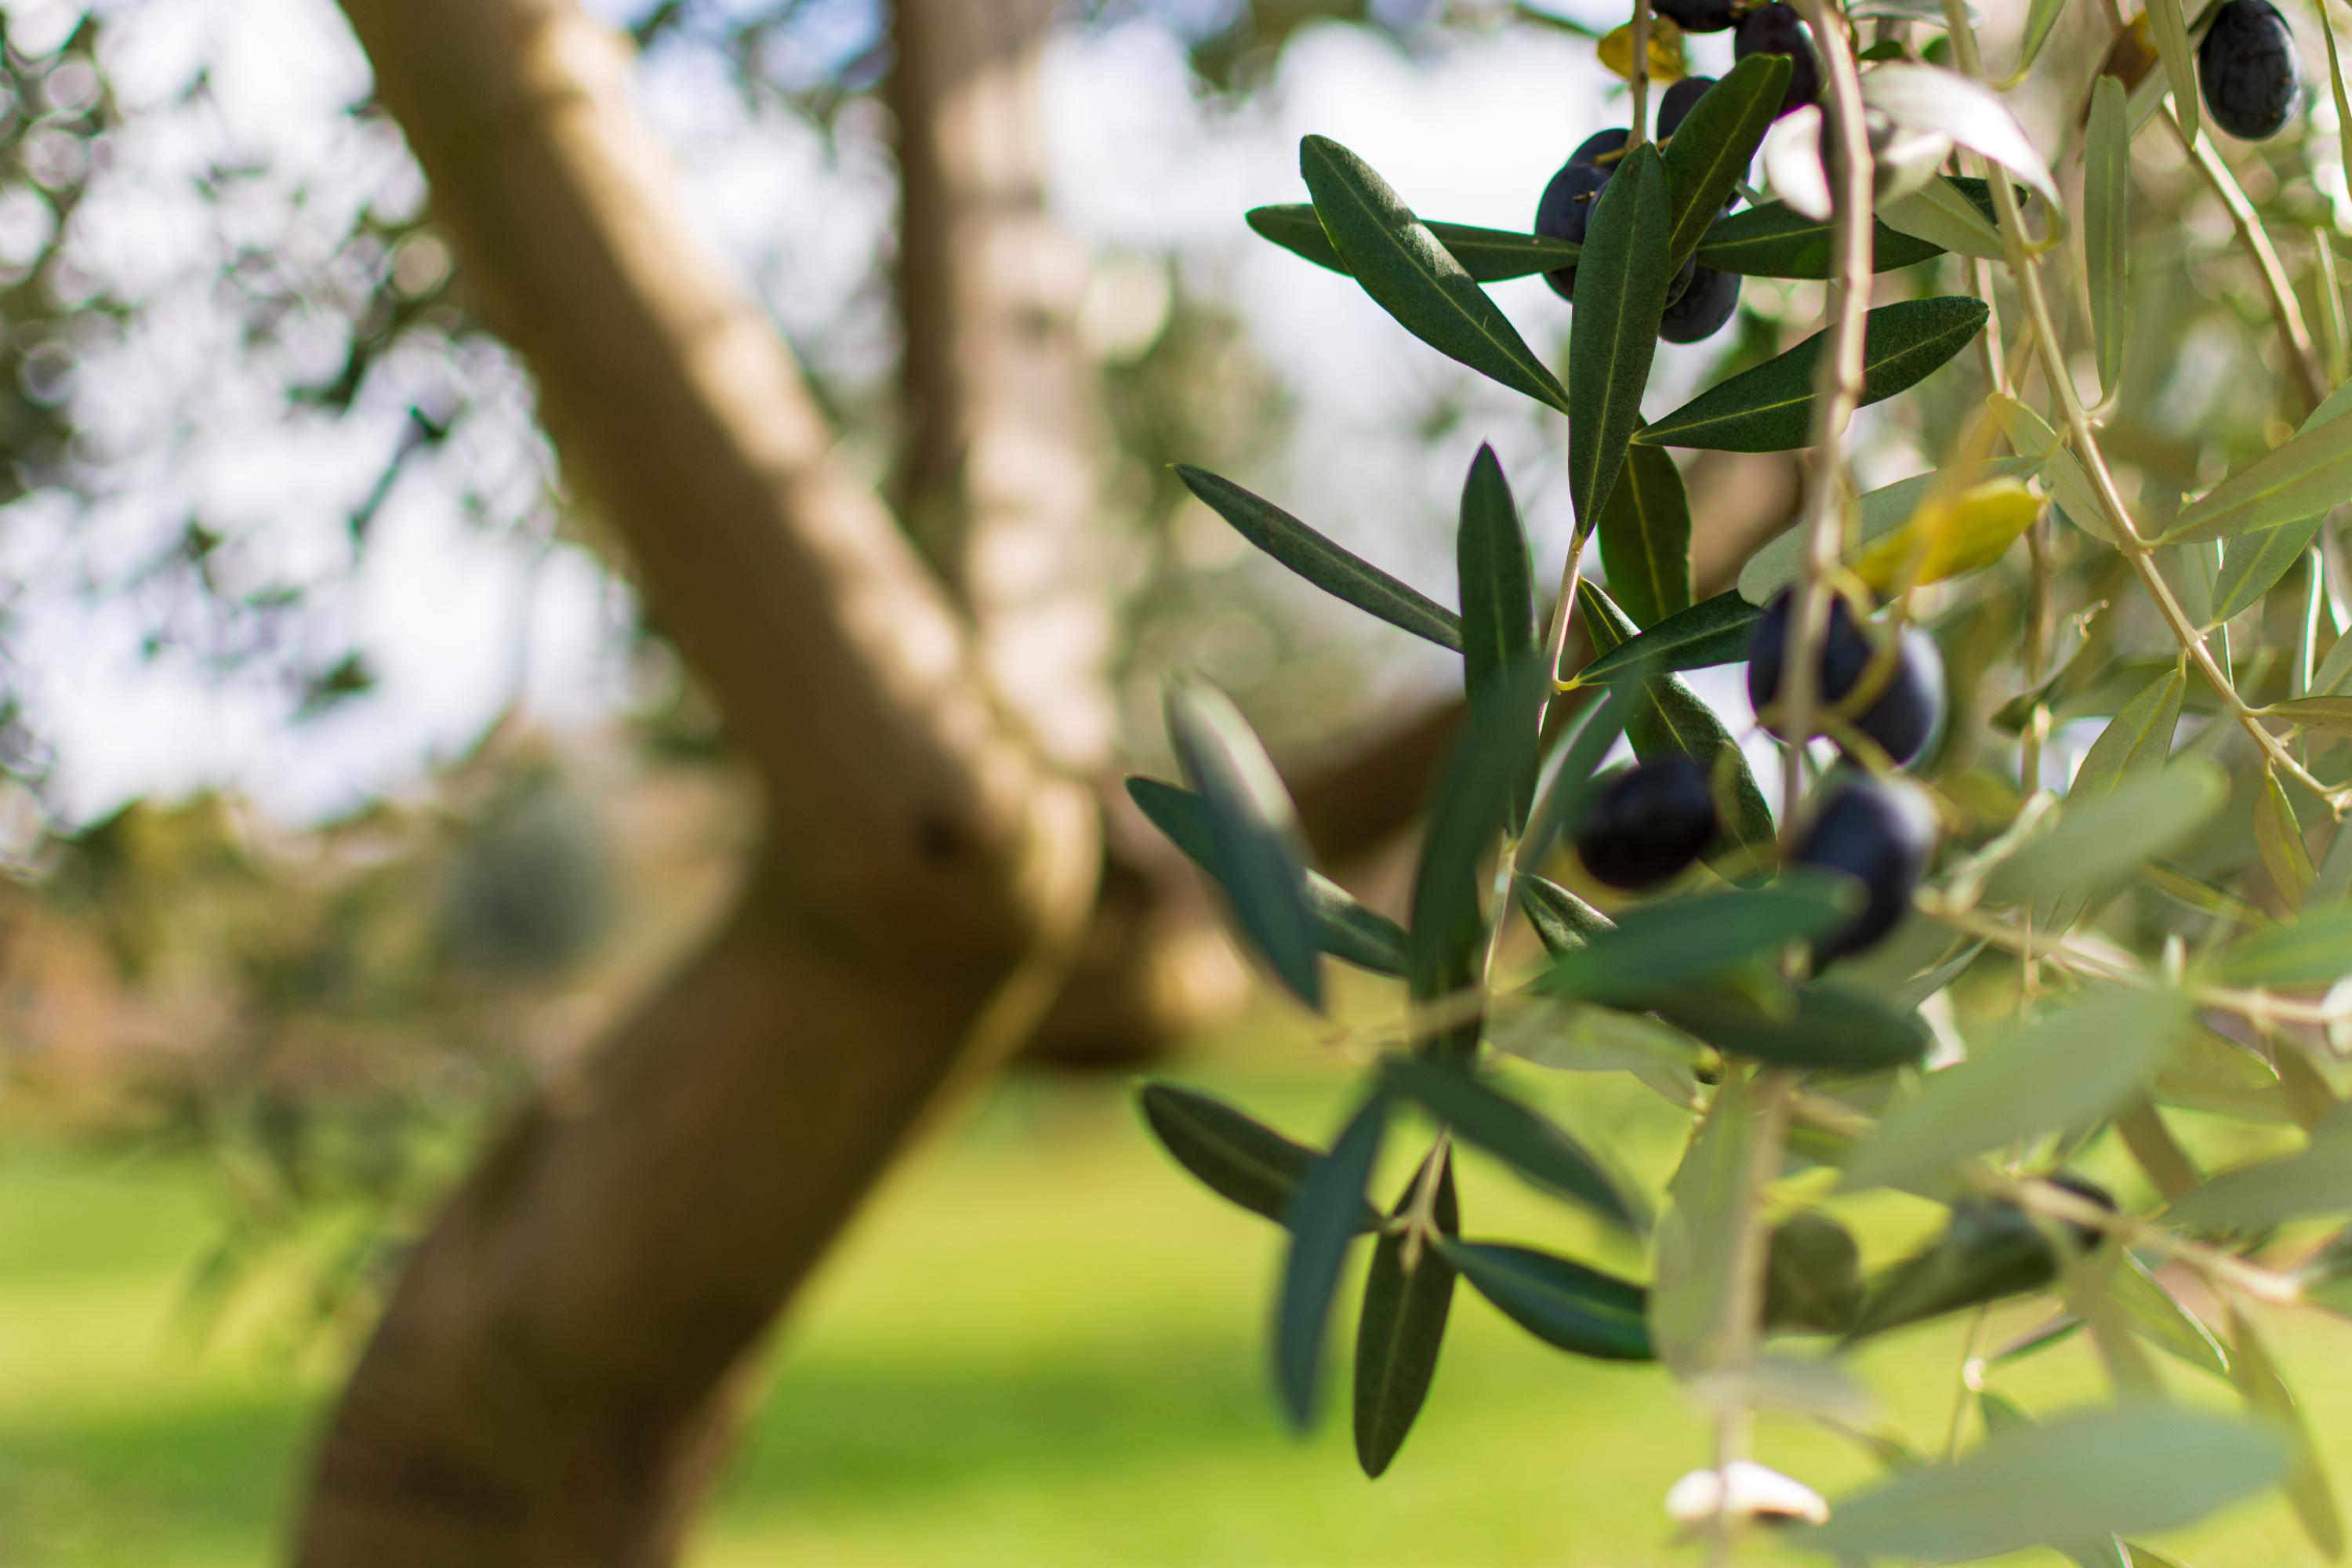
(1637, 80)
(2284, 309)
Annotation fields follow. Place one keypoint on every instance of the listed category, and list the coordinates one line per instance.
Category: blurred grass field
(1041, 1346)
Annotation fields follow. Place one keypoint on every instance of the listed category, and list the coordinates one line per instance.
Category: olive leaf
(2308, 473)
(2041, 16)
(1774, 240)
(1621, 284)
(1659, 945)
(2106, 225)
(1474, 801)
(2255, 561)
(1711, 632)
(1884, 512)
(1769, 408)
(1498, 604)
(1337, 572)
(1402, 1325)
(2167, 28)
(2115, 1471)
(2311, 951)
(1252, 835)
(2103, 833)
(1240, 1160)
(1488, 255)
(1345, 928)
(2315, 1180)
(1323, 1216)
(1522, 1138)
(1415, 280)
(1645, 532)
(1941, 214)
(1931, 98)
(1712, 148)
(1828, 1026)
(1563, 1303)
(2068, 1065)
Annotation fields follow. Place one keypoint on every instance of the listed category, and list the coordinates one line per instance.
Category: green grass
(1041, 1346)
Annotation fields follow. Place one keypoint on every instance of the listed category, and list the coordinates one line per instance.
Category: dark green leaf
(1621, 285)
(1402, 1325)
(1645, 530)
(1580, 1309)
(1660, 946)
(1712, 146)
(1344, 928)
(1667, 718)
(2068, 1065)
(2120, 1471)
(1769, 408)
(1990, 1250)
(1489, 255)
(1252, 835)
(1474, 801)
(1323, 1216)
(1711, 632)
(1812, 1275)
(1828, 1026)
(1498, 602)
(1414, 278)
(1234, 1157)
(1775, 240)
(1563, 920)
(1335, 571)
(1527, 1142)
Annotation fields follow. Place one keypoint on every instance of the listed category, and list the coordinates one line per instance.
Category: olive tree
(1951, 950)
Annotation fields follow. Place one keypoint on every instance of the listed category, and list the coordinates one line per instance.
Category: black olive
(1881, 834)
(2248, 69)
(1567, 205)
(1707, 304)
(1675, 102)
(1696, 16)
(1777, 29)
(1648, 824)
(1908, 707)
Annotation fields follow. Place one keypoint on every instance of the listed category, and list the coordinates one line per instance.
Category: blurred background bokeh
(350, 793)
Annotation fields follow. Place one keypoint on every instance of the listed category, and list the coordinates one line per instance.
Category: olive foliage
(2049, 881)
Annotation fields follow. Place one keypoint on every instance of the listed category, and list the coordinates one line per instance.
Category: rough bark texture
(550, 1377)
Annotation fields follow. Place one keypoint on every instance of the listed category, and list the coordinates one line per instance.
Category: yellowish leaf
(1949, 536)
(1666, 62)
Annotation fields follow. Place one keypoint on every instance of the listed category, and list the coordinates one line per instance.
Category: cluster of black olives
(2248, 70)
(1656, 818)
(1700, 299)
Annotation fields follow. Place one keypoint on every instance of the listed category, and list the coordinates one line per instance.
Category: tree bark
(548, 1380)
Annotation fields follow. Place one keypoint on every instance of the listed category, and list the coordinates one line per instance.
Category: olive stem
(1836, 394)
(1768, 1103)
(2284, 309)
(1637, 78)
(2023, 265)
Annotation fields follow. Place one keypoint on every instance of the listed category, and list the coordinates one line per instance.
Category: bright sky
(448, 613)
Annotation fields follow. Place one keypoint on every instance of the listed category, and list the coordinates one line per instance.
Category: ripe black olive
(1777, 29)
(1908, 708)
(1882, 833)
(1566, 208)
(1696, 16)
(2248, 69)
(1707, 304)
(1649, 824)
(1675, 102)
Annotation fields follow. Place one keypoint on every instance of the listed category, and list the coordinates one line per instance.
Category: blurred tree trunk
(549, 1382)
